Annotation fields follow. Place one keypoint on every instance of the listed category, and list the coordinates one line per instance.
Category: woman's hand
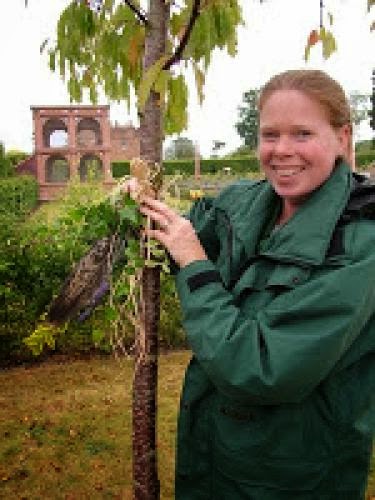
(131, 187)
(174, 232)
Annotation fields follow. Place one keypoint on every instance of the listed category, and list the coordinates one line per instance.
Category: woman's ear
(344, 135)
(345, 139)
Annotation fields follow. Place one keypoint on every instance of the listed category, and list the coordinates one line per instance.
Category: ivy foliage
(103, 48)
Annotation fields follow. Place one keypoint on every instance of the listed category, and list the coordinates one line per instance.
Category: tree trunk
(145, 477)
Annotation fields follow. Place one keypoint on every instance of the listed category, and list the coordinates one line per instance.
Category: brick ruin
(76, 141)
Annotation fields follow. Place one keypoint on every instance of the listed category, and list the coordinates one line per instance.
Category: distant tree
(360, 106)
(181, 148)
(216, 146)
(6, 168)
(239, 152)
(247, 125)
(15, 156)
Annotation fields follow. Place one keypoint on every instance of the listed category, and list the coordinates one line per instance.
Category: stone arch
(89, 133)
(55, 133)
(57, 169)
(90, 166)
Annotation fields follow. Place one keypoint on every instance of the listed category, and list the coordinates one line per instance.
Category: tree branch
(185, 38)
(141, 16)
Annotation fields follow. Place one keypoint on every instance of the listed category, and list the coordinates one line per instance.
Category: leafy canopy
(100, 45)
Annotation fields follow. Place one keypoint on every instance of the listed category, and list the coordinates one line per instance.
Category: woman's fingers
(157, 217)
(131, 187)
(157, 206)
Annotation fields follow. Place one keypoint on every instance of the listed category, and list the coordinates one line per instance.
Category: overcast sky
(273, 40)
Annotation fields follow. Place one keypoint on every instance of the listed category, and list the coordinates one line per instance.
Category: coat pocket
(265, 446)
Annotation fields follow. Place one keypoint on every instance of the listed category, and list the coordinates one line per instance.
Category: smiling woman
(304, 127)
(276, 288)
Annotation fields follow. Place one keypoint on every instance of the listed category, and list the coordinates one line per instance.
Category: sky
(272, 40)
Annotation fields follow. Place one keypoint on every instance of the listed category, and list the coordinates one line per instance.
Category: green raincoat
(278, 399)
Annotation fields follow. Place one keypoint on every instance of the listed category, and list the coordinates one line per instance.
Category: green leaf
(148, 81)
(307, 52)
(43, 335)
(178, 22)
(328, 43)
(160, 86)
(52, 60)
(122, 290)
(110, 313)
(176, 112)
(97, 336)
(199, 81)
(130, 213)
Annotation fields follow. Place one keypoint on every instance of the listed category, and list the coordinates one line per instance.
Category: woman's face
(297, 144)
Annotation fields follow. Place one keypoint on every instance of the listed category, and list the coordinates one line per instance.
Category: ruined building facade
(76, 141)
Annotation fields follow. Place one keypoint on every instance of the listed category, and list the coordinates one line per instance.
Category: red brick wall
(125, 143)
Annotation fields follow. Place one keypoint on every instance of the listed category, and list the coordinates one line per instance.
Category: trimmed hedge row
(364, 159)
(18, 195)
(211, 166)
(217, 165)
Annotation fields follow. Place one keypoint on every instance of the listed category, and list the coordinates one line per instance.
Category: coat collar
(305, 238)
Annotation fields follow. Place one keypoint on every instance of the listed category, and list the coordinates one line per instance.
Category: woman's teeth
(288, 172)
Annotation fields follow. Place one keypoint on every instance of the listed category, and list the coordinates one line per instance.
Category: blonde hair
(318, 86)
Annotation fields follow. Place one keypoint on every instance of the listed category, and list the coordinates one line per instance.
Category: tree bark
(145, 477)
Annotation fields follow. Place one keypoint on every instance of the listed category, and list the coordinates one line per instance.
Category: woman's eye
(303, 134)
(269, 135)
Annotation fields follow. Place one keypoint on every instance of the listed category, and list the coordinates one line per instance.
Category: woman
(276, 284)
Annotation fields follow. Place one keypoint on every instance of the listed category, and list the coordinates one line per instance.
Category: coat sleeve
(282, 352)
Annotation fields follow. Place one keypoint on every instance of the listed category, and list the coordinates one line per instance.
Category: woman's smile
(286, 172)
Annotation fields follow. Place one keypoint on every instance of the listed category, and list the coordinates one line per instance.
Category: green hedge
(120, 168)
(211, 166)
(216, 165)
(364, 159)
(18, 195)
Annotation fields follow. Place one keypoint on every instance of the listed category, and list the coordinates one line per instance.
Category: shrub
(18, 195)
(36, 256)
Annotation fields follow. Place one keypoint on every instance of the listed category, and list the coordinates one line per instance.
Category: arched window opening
(90, 168)
(55, 134)
(58, 139)
(88, 133)
(57, 169)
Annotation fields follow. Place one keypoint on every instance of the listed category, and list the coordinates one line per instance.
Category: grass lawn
(65, 429)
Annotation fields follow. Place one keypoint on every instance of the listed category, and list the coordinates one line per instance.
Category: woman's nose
(284, 146)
